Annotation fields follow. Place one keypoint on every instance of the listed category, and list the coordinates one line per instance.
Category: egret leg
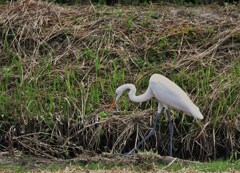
(171, 132)
(150, 134)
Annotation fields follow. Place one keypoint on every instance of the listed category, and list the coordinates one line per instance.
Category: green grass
(214, 166)
(211, 166)
(15, 168)
(31, 168)
(53, 89)
(219, 166)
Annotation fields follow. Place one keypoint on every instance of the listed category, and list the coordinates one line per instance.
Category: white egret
(168, 94)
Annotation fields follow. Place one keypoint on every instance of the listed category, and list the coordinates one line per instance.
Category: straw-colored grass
(60, 67)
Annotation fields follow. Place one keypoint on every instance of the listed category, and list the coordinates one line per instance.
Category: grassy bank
(144, 162)
(60, 67)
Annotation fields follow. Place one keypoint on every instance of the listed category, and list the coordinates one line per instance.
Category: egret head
(119, 91)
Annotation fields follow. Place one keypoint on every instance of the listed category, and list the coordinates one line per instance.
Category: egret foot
(150, 134)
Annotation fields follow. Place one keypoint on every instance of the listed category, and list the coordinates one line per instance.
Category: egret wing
(169, 93)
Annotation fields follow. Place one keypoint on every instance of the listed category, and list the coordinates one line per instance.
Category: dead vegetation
(61, 65)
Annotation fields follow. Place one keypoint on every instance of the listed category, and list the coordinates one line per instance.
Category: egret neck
(132, 93)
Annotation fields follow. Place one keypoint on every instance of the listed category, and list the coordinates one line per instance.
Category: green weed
(61, 88)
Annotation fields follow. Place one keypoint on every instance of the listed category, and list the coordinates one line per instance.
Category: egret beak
(112, 105)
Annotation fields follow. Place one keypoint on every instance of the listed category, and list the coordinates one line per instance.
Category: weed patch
(60, 67)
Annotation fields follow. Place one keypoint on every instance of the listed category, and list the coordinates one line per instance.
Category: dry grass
(61, 65)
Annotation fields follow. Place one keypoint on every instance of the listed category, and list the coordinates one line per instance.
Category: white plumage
(166, 92)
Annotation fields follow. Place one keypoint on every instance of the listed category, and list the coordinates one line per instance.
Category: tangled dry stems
(35, 32)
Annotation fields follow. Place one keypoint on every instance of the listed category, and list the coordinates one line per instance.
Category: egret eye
(116, 94)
